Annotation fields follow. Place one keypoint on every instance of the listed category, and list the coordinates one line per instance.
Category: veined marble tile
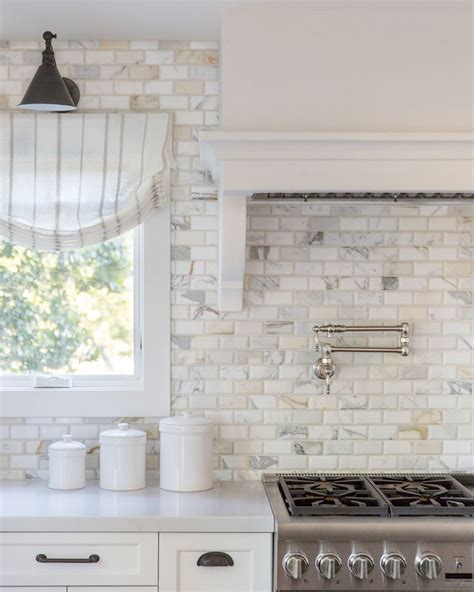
(251, 371)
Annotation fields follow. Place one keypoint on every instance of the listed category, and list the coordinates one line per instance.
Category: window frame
(147, 394)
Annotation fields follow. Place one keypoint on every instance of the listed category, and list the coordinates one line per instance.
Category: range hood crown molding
(244, 163)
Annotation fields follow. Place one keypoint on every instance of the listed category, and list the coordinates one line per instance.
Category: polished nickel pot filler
(325, 368)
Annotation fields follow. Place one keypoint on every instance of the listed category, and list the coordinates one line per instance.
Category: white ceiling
(132, 19)
(110, 19)
(117, 19)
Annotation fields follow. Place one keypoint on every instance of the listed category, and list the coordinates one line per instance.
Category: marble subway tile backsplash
(251, 372)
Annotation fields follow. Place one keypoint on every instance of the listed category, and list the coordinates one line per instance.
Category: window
(99, 316)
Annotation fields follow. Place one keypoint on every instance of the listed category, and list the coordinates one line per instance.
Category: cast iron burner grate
(322, 495)
(410, 495)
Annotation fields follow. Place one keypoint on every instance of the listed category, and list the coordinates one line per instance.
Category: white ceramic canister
(67, 464)
(186, 453)
(122, 458)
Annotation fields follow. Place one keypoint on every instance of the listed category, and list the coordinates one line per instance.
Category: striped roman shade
(78, 179)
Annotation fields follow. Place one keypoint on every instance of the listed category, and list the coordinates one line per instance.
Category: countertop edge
(206, 524)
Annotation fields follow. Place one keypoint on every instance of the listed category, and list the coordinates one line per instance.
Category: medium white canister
(122, 458)
(186, 453)
(67, 464)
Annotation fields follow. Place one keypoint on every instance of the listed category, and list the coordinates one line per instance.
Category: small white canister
(186, 453)
(122, 458)
(67, 464)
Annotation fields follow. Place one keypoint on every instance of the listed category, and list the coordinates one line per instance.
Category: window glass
(69, 312)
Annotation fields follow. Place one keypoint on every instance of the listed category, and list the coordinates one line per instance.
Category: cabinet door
(199, 562)
(82, 559)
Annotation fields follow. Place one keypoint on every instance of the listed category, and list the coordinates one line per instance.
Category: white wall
(349, 66)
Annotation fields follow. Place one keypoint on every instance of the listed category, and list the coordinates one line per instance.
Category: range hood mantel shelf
(364, 198)
(245, 163)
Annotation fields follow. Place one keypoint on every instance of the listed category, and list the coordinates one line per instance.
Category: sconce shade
(48, 91)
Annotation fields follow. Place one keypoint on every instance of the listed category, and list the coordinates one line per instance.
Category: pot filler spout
(324, 368)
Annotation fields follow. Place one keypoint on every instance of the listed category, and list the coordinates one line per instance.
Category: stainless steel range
(373, 532)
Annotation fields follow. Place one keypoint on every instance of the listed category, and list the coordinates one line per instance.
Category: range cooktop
(359, 495)
(399, 532)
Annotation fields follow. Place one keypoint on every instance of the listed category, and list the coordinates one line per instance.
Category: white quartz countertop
(30, 506)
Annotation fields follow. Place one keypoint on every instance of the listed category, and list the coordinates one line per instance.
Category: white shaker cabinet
(214, 562)
(78, 559)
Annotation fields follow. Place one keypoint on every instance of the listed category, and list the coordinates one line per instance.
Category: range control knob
(295, 565)
(429, 566)
(360, 565)
(393, 565)
(328, 565)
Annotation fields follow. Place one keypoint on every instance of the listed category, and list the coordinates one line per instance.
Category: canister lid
(67, 446)
(122, 435)
(186, 424)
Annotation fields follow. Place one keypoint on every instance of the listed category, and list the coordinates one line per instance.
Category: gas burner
(424, 495)
(331, 495)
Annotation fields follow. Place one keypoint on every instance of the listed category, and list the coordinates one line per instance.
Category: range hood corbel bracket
(231, 246)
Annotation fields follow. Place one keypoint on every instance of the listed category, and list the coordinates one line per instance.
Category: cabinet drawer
(102, 589)
(250, 555)
(32, 589)
(125, 559)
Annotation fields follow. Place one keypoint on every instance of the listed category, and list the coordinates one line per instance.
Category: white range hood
(299, 83)
(243, 163)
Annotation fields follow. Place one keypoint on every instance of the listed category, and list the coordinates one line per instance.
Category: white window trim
(116, 396)
(80, 381)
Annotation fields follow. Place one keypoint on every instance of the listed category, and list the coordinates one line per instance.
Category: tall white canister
(186, 453)
(122, 458)
(67, 464)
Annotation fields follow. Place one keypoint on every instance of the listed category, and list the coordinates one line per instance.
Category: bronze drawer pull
(43, 559)
(215, 559)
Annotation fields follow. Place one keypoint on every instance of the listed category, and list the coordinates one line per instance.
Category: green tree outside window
(67, 312)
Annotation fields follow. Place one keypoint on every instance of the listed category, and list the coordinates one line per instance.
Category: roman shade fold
(72, 180)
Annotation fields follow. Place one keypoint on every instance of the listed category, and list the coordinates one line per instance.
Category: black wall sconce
(49, 91)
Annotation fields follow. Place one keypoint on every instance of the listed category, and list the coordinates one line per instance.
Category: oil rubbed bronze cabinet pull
(43, 559)
(215, 559)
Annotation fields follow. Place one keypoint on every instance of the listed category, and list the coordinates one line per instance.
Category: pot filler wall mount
(325, 368)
